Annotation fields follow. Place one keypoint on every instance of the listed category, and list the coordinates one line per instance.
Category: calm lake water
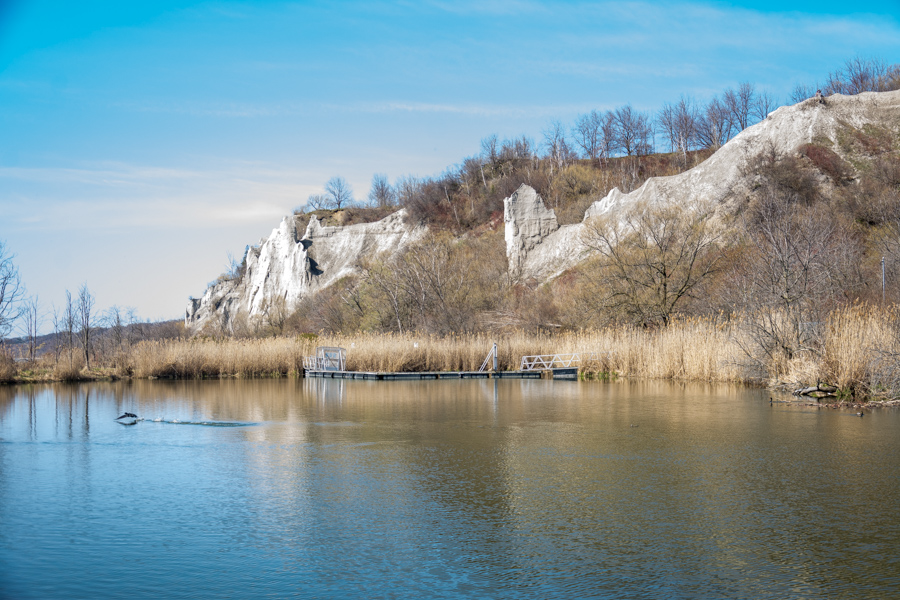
(442, 489)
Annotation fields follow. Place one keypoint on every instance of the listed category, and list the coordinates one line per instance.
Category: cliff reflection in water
(463, 488)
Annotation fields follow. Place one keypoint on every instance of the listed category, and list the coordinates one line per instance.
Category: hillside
(442, 266)
(821, 131)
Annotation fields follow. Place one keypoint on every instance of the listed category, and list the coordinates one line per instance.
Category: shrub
(7, 366)
(826, 161)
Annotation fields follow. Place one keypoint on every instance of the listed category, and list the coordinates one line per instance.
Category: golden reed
(686, 350)
(860, 345)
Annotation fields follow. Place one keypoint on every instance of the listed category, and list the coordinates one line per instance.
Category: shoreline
(585, 377)
(857, 359)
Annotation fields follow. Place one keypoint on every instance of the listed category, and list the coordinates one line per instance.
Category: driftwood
(817, 391)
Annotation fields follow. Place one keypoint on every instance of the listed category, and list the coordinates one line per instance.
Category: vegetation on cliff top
(798, 273)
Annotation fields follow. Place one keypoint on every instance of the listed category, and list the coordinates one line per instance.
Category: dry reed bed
(198, 357)
(861, 347)
(691, 350)
(859, 353)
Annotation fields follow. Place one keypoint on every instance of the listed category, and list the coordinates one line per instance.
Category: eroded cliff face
(538, 249)
(535, 242)
(290, 265)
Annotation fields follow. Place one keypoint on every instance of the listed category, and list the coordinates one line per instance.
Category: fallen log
(817, 391)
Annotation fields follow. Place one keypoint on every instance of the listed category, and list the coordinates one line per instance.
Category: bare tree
(234, 268)
(678, 123)
(740, 104)
(651, 259)
(276, 313)
(318, 201)
(339, 192)
(11, 291)
(69, 321)
(431, 286)
(489, 148)
(587, 133)
(114, 319)
(382, 276)
(516, 148)
(764, 104)
(32, 321)
(798, 261)
(609, 140)
(409, 190)
(85, 316)
(382, 194)
(557, 146)
(863, 75)
(633, 130)
(666, 124)
(136, 328)
(796, 267)
(57, 333)
(803, 91)
(714, 125)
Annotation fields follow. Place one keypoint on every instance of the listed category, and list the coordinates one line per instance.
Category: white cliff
(539, 249)
(289, 265)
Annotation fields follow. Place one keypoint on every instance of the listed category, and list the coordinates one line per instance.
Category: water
(442, 489)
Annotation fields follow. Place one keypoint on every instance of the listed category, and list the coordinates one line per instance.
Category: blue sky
(140, 142)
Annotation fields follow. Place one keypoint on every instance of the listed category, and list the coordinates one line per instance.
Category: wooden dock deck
(568, 373)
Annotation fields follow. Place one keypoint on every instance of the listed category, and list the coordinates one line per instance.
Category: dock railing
(491, 354)
(327, 358)
(541, 362)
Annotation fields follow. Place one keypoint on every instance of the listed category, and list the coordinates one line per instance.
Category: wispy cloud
(249, 110)
(117, 195)
(473, 110)
(230, 110)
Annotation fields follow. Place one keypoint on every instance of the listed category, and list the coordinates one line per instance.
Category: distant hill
(135, 332)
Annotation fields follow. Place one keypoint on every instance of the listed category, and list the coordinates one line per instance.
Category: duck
(127, 419)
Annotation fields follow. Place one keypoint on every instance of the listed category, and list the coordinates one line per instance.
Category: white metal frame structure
(327, 358)
(555, 361)
(492, 353)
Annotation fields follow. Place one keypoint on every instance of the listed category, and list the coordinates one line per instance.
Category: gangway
(543, 362)
(327, 358)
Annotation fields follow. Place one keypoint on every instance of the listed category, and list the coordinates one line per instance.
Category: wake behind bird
(132, 419)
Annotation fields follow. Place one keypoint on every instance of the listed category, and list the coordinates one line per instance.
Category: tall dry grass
(693, 350)
(859, 353)
(7, 366)
(199, 357)
(689, 350)
(861, 345)
(69, 367)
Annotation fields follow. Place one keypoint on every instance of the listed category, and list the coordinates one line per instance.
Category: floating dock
(566, 373)
(330, 362)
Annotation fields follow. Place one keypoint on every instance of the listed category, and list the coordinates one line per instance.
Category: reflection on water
(472, 488)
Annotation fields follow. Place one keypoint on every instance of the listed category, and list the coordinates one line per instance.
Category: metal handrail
(554, 361)
(493, 353)
(327, 358)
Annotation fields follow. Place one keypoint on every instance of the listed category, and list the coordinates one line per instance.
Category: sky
(143, 142)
